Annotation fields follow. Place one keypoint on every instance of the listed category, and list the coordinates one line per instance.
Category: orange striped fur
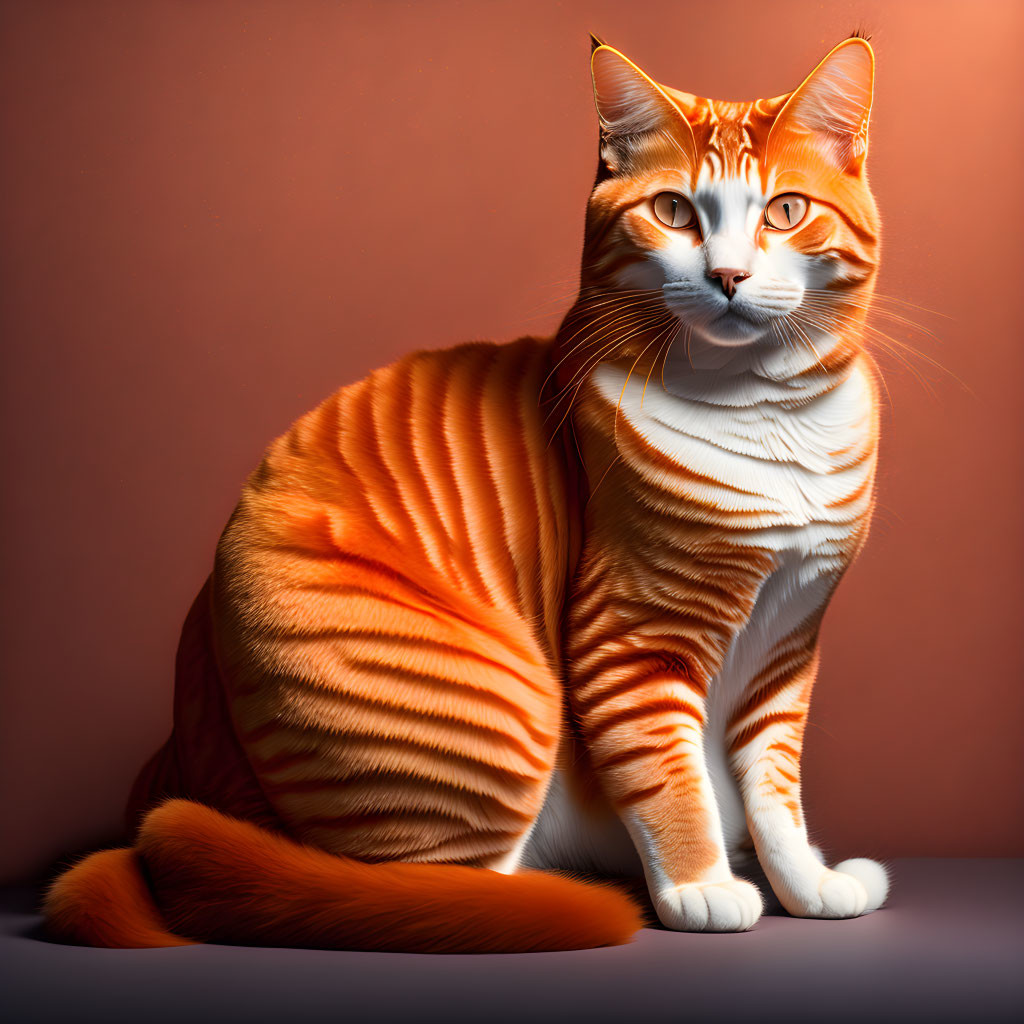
(552, 603)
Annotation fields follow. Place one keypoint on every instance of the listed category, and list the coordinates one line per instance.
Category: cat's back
(439, 466)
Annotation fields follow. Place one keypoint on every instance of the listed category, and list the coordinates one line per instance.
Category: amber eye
(674, 210)
(786, 211)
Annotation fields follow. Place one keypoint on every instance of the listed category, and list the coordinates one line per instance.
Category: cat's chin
(730, 330)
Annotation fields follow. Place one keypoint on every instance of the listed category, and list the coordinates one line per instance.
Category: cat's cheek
(645, 274)
(782, 263)
(814, 272)
(681, 263)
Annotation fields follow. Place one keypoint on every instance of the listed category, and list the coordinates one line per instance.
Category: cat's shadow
(21, 902)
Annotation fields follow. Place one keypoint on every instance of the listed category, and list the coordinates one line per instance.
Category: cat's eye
(786, 211)
(674, 210)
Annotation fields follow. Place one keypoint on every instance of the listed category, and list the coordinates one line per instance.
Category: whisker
(637, 307)
(580, 303)
(807, 341)
(893, 346)
(584, 371)
(637, 324)
(618, 404)
(882, 297)
(830, 321)
(585, 305)
(654, 362)
(615, 422)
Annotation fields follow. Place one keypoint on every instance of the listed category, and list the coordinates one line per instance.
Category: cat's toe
(728, 906)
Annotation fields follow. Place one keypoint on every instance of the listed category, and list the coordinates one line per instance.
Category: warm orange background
(213, 214)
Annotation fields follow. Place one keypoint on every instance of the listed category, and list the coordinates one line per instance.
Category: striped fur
(553, 603)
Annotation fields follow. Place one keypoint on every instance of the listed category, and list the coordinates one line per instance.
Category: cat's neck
(804, 405)
(725, 423)
(769, 373)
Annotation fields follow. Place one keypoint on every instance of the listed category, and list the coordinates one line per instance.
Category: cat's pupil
(785, 207)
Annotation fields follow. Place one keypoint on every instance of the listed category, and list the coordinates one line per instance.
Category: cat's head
(753, 220)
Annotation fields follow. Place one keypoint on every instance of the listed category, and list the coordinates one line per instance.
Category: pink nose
(729, 278)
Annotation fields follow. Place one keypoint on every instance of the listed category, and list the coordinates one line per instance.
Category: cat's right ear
(631, 104)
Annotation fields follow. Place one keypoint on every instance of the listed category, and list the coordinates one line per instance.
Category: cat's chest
(791, 478)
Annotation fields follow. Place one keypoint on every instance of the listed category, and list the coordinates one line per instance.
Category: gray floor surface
(948, 947)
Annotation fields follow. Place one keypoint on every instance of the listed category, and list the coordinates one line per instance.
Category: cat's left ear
(832, 106)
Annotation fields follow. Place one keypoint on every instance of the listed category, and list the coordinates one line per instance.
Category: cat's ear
(631, 104)
(832, 106)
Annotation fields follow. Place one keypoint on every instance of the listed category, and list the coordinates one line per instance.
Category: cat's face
(754, 220)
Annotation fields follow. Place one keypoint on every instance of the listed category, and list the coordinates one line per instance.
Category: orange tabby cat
(548, 604)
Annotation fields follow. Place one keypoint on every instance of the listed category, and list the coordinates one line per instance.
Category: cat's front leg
(765, 743)
(643, 725)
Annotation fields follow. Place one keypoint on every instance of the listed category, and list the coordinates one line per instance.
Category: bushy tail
(198, 873)
(104, 901)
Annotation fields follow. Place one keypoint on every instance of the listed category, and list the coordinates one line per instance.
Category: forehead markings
(730, 149)
(727, 151)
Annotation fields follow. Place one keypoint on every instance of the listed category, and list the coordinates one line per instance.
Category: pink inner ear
(627, 102)
(834, 103)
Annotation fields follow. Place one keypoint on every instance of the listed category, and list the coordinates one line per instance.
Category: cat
(551, 604)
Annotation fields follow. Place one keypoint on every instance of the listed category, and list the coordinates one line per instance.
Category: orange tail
(219, 879)
(104, 901)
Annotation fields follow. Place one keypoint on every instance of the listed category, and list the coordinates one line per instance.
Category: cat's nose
(729, 277)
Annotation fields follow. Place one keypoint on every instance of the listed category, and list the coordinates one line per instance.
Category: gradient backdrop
(214, 214)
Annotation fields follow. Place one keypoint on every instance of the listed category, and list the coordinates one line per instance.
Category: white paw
(871, 875)
(839, 895)
(850, 889)
(729, 906)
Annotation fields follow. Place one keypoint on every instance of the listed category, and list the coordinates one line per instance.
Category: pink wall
(215, 214)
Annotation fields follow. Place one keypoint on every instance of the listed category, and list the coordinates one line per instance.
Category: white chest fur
(792, 464)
